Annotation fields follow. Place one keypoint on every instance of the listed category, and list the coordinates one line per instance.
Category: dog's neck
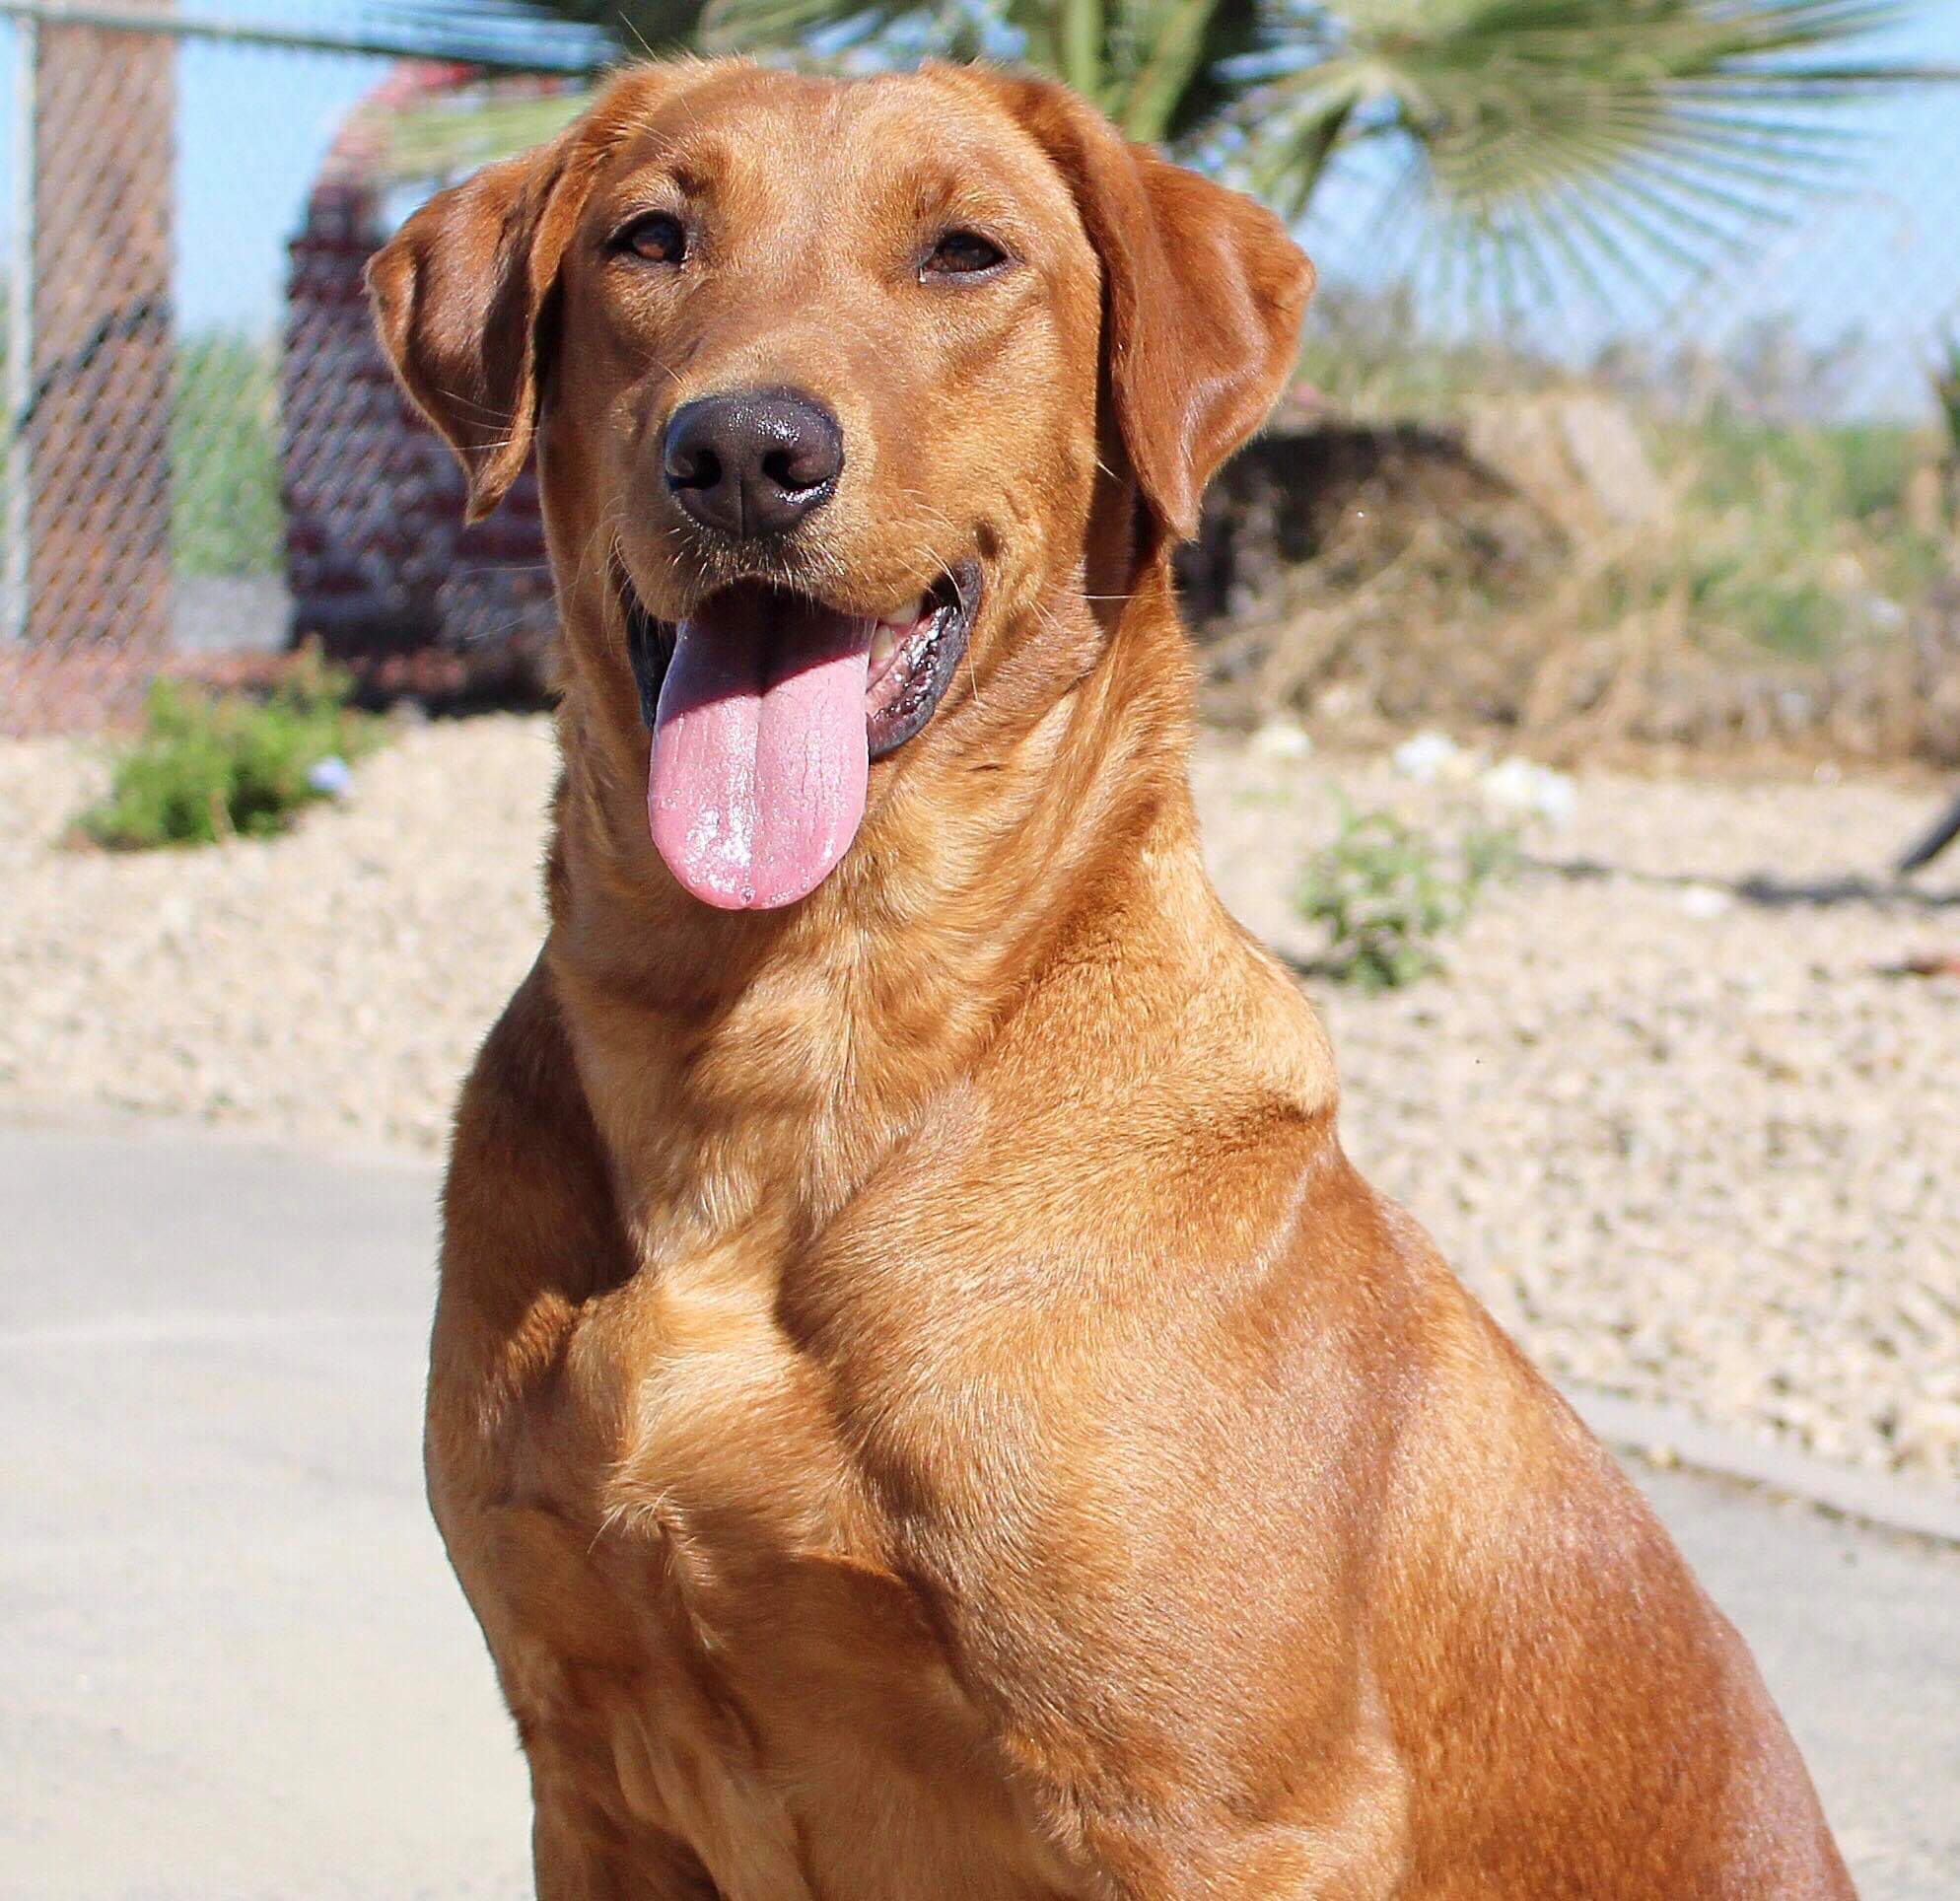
(754, 1068)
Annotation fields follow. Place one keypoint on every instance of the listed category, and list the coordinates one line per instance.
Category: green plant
(205, 768)
(1384, 892)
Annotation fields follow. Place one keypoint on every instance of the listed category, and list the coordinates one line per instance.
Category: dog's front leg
(579, 1853)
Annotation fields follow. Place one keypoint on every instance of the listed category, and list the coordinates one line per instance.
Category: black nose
(754, 463)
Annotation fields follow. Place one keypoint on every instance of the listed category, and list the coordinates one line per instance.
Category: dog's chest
(687, 1588)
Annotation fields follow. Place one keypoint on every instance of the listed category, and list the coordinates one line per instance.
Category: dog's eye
(658, 238)
(962, 253)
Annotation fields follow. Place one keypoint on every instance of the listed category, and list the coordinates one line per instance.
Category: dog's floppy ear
(458, 292)
(461, 290)
(1204, 293)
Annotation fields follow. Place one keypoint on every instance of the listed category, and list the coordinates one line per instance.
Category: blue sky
(255, 126)
(1883, 258)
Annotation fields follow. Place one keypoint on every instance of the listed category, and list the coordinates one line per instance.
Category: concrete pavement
(237, 1663)
(233, 1661)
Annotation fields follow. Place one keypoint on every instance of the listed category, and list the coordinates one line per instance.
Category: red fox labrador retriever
(920, 1405)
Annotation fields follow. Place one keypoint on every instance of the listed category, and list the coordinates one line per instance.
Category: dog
(919, 1405)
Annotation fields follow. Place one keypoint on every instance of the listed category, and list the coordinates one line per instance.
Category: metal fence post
(102, 402)
(21, 328)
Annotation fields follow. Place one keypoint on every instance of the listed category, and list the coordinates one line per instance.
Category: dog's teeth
(909, 618)
(884, 644)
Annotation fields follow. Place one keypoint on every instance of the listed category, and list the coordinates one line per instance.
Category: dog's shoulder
(530, 1228)
(526, 1161)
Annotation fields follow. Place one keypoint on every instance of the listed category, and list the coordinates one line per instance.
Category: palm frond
(1610, 141)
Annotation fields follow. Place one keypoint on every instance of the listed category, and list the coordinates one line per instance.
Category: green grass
(1832, 471)
(1799, 540)
(226, 517)
(206, 768)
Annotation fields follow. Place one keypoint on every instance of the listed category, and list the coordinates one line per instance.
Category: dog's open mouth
(766, 709)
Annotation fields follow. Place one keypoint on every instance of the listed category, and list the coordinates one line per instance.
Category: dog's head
(848, 394)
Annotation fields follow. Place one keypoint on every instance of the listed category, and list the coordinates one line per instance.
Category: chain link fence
(205, 460)
(205, 457)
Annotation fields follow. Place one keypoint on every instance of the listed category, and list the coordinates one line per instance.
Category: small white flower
(330, 777)
(1281, 740)
(1428, 757)
(1526, 789)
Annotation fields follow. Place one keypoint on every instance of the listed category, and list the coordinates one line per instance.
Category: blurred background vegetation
(1681, 546)
(1456, 515)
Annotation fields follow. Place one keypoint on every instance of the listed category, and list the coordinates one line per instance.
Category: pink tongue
(757, 785)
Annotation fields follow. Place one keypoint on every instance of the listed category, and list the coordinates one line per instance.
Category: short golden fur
(920, 1403)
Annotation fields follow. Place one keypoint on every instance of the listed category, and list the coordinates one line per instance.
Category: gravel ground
(1678, 1129)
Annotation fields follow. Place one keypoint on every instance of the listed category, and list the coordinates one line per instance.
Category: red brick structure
(383, 573)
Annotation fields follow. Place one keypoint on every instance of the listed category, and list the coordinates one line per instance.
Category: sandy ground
(1666, 1110)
